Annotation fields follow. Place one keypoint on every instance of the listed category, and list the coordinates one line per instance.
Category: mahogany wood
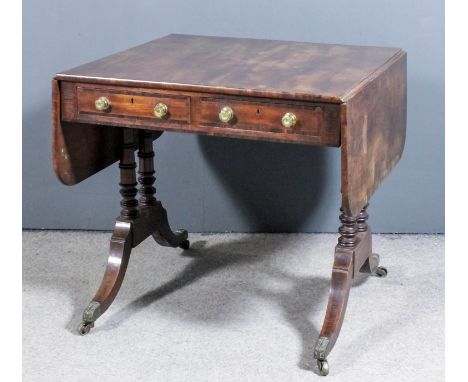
(362, 219)
(163, 233)
(353, 253)
(238, 66)
(348, 230)
(128, 181)
(128, 104)
(348, 96)
(373, 132)
(367, 85)
(119, 255)
(138, 220)
(255, 118)
(146, 169)
(317, 120)
(80, 150)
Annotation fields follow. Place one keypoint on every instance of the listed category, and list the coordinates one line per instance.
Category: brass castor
(323, 367)
(185, 244)
(380, 272)
(85, 327)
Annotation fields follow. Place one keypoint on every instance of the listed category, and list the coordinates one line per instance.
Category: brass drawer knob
(289, 120)
(226, 114)
(160, 110)
(102, 104)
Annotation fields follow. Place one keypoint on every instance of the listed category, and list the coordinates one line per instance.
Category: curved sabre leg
(164, 234)
(138, 219)
(119, 254)
(341, 282)
(352, 254)
(122, 238)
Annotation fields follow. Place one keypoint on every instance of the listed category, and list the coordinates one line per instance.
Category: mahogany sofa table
(349, 97)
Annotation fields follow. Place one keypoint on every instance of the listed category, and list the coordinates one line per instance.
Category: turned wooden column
(362, 219)
(128, 181)
(348, 230)
(146, 172)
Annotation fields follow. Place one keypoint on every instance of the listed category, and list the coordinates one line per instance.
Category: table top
(348, 96)
(296, 70)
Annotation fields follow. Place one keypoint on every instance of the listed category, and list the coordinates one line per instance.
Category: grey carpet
(236, 307)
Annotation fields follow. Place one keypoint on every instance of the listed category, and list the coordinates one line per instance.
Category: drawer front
(196, 112)
(310, 119)
(124, 104)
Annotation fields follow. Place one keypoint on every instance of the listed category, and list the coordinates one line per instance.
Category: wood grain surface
(348, 96)
(254, 117)
(80, 150)
(279, 69)
(352, 96)
(373, 133)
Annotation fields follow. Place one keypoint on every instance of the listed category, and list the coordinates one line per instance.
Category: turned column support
(146, 171)
(128, 181)
(362, 219)
(348, 230)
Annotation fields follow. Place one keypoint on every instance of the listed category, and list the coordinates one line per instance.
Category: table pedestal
(353, 254)
(138, 220)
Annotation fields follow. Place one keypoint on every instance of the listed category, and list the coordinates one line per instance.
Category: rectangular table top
(340, 95)
(280, 69)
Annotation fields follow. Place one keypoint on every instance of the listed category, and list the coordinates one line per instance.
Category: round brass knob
(102, 104)
(289, 120)
(160, 110)
(226, 114)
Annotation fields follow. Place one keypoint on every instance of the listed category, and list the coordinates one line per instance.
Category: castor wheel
(185, 244)
(380, 272)
(323, 367)
(85, 327)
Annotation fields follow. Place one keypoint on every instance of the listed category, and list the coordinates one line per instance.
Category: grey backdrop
(214, 184)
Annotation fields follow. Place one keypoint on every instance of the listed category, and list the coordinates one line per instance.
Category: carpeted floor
(235, 307)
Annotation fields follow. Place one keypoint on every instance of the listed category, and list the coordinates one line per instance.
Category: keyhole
(258, 111)
(131, 100)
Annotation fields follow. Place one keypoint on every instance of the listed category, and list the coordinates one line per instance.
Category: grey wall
(214, 184)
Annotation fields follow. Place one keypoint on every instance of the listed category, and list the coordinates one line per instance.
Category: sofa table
(349, 97)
